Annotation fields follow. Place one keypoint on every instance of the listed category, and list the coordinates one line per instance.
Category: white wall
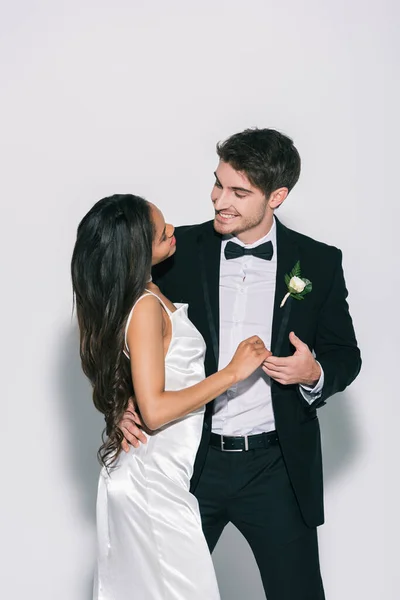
(101, 97)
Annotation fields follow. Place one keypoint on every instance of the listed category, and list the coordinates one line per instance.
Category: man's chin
(224, 228)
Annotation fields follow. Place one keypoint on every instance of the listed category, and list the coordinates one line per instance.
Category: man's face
(239, 206)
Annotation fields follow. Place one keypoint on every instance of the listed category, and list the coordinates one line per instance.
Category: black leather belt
(229, 443)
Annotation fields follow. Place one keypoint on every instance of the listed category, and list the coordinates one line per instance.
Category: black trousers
(252, 490)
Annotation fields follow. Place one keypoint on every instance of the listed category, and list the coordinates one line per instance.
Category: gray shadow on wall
(236, 568)
(237, 572)
(82, 421)
(83, 425)
(341, 440)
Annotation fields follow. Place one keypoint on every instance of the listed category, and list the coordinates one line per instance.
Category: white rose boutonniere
(297, 286)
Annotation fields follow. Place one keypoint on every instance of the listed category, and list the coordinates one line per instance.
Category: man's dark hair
(268, 158)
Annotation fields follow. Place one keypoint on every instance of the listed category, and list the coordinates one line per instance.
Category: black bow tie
(264, 251)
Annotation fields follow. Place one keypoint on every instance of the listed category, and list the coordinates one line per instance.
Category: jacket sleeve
(335, 343)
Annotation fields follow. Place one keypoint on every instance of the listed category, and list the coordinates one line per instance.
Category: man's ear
(277, 197)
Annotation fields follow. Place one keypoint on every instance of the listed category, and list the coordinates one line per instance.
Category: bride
(133, 340)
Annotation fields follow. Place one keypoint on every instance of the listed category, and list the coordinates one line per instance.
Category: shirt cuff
(310, 394)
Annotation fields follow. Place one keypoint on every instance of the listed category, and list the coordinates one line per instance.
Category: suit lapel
(209, 244)
(287, 256)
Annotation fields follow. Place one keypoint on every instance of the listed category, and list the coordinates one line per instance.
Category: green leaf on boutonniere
(297, 286)
(295, 272)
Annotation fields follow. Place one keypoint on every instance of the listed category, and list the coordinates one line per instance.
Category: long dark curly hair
(110, 267)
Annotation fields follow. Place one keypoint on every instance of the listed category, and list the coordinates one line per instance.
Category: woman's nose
(169, 230)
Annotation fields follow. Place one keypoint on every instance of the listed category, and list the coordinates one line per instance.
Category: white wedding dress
(150, 542)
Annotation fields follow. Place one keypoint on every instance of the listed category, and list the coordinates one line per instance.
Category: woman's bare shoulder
(148, 309)
(156, 290)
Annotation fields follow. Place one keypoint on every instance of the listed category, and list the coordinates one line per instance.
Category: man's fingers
(133, 429)
(132, 433)
(132, 439)
(275, 376)
(138, 419)
(275, 369)
(134, 416)
(131, 425)
(125, 445)
(278, 361)
(272, 373)
(297, 342)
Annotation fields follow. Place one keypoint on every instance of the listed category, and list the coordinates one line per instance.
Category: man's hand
(301, 368)
(131, 426)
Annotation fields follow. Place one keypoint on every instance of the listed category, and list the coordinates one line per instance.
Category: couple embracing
(228, 335)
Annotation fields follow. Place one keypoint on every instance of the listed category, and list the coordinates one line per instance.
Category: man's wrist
(314, 375)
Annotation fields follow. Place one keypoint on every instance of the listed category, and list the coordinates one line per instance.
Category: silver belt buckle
(246, 443)
(238, 450)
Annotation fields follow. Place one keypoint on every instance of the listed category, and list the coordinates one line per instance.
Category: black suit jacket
(321, 320)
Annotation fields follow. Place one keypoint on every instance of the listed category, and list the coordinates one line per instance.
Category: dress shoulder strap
(147, 293)
(161, 301)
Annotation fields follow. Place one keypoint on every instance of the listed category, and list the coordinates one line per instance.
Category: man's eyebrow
(234, 188)
(240, 189)
(216, 177)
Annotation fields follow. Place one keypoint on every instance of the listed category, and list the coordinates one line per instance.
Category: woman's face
(164, 239)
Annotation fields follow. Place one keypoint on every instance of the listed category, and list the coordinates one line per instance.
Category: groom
(244, 273)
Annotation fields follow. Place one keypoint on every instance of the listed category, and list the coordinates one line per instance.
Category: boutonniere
(297, 285)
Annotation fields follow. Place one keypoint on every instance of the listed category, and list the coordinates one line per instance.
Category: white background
(101, 97)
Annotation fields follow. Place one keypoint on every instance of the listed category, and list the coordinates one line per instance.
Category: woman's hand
(250, 355)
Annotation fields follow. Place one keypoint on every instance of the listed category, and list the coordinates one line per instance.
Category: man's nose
(218, 198)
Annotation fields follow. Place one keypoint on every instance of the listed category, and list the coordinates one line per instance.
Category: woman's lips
(173, 241)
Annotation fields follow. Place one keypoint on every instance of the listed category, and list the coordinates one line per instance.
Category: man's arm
(337, 360)
(335, 344)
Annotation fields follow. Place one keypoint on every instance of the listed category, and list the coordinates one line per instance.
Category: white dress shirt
(247, 293)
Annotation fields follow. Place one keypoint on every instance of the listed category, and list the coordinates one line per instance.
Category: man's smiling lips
(225, 216)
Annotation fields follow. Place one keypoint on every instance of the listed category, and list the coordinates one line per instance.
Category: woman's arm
(145, 343)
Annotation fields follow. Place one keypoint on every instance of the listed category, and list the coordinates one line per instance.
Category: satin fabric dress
(150, 541)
